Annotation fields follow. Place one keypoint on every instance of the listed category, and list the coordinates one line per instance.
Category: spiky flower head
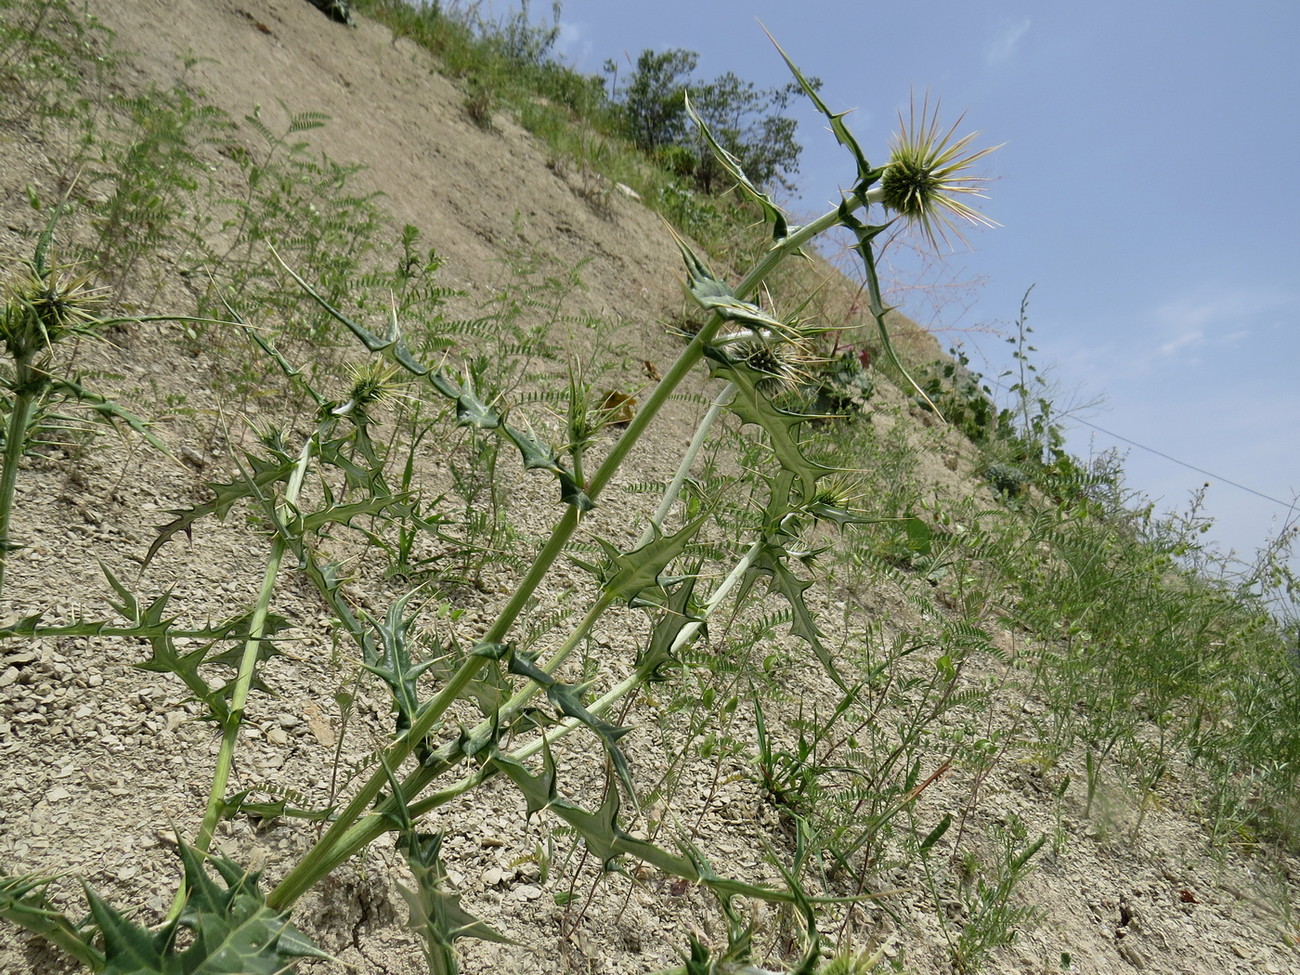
(927, 175)
(784, 366)
(43, 307)
(837, 498)
(371, 382)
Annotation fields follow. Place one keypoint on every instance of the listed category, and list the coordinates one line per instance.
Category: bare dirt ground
(100, 762)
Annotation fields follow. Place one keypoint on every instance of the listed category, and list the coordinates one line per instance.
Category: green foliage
(653, 98)
(1007, 479)
(435, 913)
(744, 120)
(962, 398)
(339, 11)
(992, 919)
(841, 386)
(151, 171)
(46, 307)
(52, 56)
(233, 929)
(300, 203)
(24, 903)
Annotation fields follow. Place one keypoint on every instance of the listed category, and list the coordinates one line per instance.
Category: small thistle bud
(373, 382)
(783, 364)
(370, 383)
(837, 498)
(42, 308)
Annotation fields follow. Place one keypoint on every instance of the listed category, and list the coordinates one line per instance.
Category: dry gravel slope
(97, 761)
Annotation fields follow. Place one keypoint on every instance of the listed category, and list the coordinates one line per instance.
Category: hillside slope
(104, 764)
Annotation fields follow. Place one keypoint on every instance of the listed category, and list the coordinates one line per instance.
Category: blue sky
(1140, 190)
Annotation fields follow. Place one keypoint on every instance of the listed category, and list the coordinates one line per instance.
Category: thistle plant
(45, 306)
(336, 479)
(42, 308)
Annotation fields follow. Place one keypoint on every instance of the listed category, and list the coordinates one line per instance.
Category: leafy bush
(1007, 479)
(840, 386)
(744, 119)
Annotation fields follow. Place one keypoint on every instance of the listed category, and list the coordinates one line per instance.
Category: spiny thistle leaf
(342, 514)
(536, 456)
(23, 902)
(234, 929)
(108, 410)
(713, 294)
(637, 576)
(843, 136)
(680, 610)
(752, 405)
(151, 623)
(607, 840)
(238, 804)
(599, 830)
(358, 478)
(470, 410)
(129, 607)
(568, 698)
(780, 227)
(490, 688)
(392, 663)
(392, 346)
(166, 659)
(436, 915)
(264, 474)
(130, 949)
(540, 791)
(772, 562)
(236, 631)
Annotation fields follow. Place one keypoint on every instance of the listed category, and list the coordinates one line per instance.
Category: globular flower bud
(927, 171)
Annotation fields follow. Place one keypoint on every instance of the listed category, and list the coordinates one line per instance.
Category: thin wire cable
(1289, 505)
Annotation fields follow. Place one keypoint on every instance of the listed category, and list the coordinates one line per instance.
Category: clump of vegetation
(634, 131)
(744, 120)
(47, 307)
(840, 385)
(1007, 479)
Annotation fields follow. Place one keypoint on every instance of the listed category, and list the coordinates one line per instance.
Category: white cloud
(1217, 320)
(573, 45)
(1004, 45)
(1222, 313)
(1190, 338)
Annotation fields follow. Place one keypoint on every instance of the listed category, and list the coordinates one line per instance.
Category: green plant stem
(248, 663)
(247, 668)
(615, 693)
(20, 417)
(601, 704)
(349, 834)
(526, 694)
(674, 489)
